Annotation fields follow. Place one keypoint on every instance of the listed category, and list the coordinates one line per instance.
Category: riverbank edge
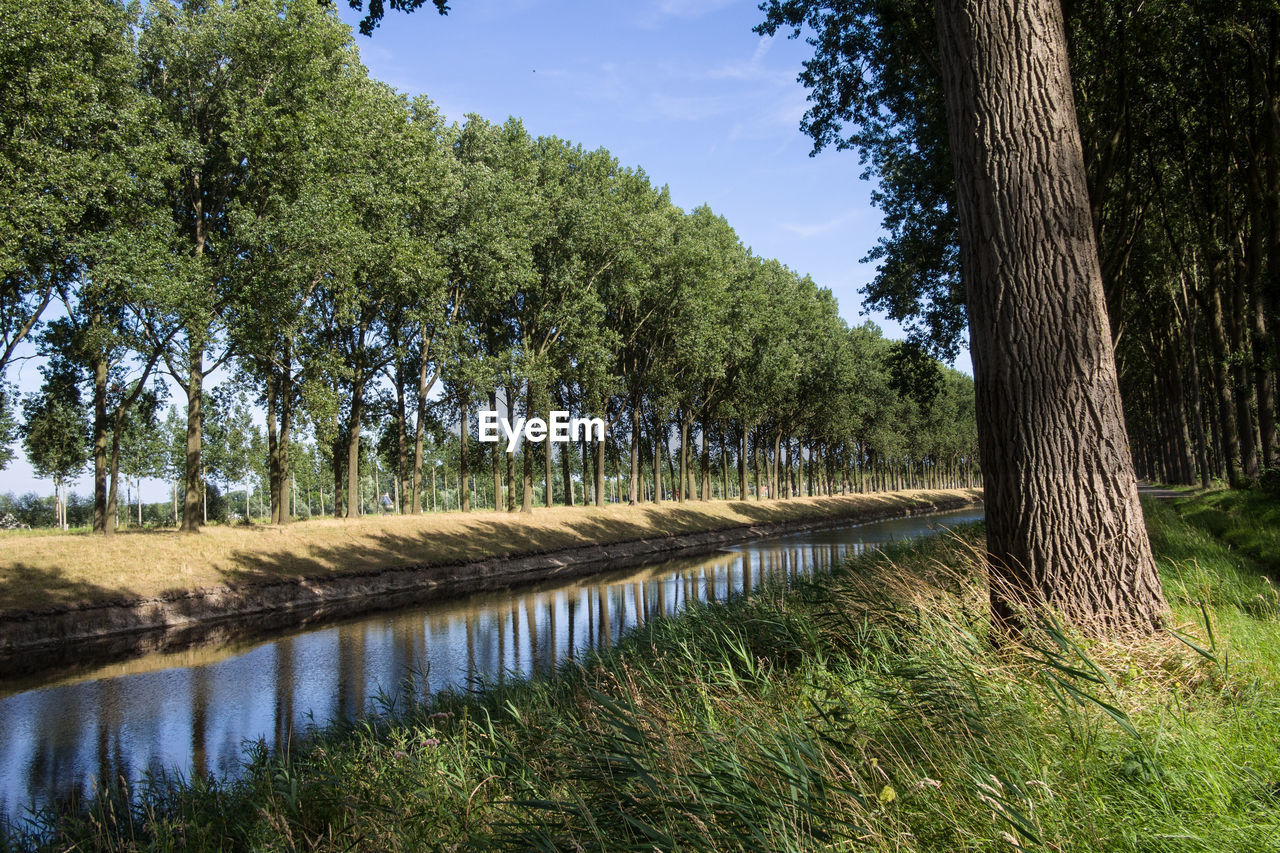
(34, 641)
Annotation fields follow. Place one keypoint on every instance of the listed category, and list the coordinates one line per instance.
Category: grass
(861, 711)
(49, 571)
(1247, 520)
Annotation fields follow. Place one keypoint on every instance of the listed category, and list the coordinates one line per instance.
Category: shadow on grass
(39, 587)
(489, 535)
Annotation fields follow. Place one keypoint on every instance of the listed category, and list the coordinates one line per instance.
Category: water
(193, 712)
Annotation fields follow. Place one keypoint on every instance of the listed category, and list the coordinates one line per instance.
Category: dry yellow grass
(38, 572)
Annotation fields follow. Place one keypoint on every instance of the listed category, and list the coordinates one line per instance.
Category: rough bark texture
(1064, 525)
(193, 480)
(100, 446)
(633, 490)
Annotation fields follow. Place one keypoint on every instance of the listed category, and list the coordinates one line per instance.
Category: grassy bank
(50, 570)
(865, 711)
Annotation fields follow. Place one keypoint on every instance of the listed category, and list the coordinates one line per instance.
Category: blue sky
(681, 88)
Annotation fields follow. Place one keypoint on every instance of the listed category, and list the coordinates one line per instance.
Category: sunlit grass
(57, 569)
(862, 711)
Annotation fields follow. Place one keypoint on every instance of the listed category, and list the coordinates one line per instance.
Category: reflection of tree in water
(199, 721)
(101, 729)
(284, 684)
(353, 682)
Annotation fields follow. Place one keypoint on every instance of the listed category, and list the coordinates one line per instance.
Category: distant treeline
(221, 187)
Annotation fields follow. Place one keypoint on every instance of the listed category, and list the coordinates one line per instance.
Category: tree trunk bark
(287, 508)
(1064, 525)
(464, 473)
(633, 490)
(113, 472)
(600, 447)
(526, 504)
(273, 449)
(682, 491)
(704, 464)
(1230, 437)
(419, 429)
(193, 482)
(100, 446)
(353, 450)
(510, 455)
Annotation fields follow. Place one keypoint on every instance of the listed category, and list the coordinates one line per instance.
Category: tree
(66, 103)
(229, 440)
(1064, 526)
(232, 82)
(8, 425)
(143, 440)
(55, 431)
(1063, 519)
(378, 8)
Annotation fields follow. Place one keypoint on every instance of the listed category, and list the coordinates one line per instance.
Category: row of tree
(220, 188)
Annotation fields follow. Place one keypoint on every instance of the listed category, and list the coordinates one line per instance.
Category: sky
(682, 89)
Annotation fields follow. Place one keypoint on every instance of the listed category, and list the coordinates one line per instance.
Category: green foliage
(55, 431)
(875, 87)
(8, 425)
(377, 8)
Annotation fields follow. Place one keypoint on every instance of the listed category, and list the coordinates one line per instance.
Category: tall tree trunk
(633, 493)
(1196, 396)
(1263, 379)
(419, 428)
(526, 504)
(464, 471)
(1064, 526)
(510, 454)
(1230, 437)
(402, 414)
(113, 474)
(657, 468)
(273, 448)
(353, 449)
(1186, 462)
(1242, 388)
(285, 468)
(682, 491)
(600, 447)
(566, 473)
(338, 451)
(788, 488)
(705, 464)
(193, 482)
(497, 460)
(100, 446)
(775, 482)
(548, 468)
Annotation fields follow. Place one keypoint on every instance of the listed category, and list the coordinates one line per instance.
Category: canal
(195, 711)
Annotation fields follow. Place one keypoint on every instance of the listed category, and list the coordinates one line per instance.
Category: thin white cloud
(805, 232)
(690, 8)
(752, 69)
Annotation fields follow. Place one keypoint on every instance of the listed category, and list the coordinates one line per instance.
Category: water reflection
(193, 712)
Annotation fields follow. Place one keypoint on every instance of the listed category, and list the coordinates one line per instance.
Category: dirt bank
(48, 637)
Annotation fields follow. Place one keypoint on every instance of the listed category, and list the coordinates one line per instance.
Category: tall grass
(866, 710)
